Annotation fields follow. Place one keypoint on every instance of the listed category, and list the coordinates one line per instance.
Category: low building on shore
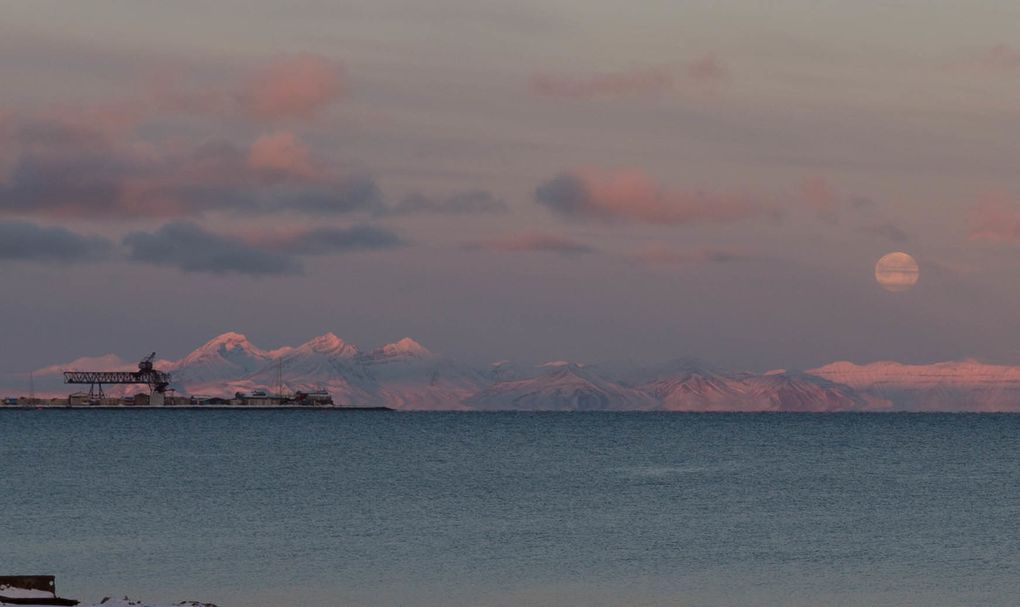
(205, 401)
(314, 398)
(254, 398)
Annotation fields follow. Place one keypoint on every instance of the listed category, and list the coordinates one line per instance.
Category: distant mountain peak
(225, 343)
(562, 385)
(407, 375)
(405, 347)
(230, 337)
(967, 373)
(328, 343)
(557, 364)
(225, 356)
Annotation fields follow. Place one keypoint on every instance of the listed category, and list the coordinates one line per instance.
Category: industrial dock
(156, 392)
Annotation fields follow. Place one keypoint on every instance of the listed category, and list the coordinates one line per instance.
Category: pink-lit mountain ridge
(966, 385)
(407, 375)
(403, 375)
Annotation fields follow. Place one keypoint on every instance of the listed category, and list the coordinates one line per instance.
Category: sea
(326, 508)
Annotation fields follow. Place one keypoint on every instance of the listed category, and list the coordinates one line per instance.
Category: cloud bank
(326, 241)
(24, 241)
(190, 248)
(297, 86)
(631, 195)
(533, 242)
(996, 218)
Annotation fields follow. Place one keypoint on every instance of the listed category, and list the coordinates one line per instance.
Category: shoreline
(525, 411)
(150, 407)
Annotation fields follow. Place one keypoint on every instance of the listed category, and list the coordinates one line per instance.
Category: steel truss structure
(156, 380)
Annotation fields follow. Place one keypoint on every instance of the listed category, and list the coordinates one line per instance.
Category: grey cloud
(188, 247)
(360, 193)
(548, 243)
(887, 231)
(216, 176)
(324, 241)
(54, 187)
(65, 170)
(461, 203)
(21, 240)
(621, 194)
(565, 194)
(61, 170)
(69, 171)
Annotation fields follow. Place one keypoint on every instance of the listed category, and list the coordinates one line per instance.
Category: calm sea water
(326, 508)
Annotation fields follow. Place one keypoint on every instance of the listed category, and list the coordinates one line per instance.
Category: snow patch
(404, 347)
(13, 592)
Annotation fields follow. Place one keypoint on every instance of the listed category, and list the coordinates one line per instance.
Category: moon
(897, 272)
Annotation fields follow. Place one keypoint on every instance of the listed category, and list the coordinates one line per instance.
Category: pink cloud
(280, 155)
(996, 217)
(95, 160)
(998, 58)
(819, 194)
(299, 86)
(62, 168)
(708, 70)
(1002, 56)
(630, 194)
(295, 86)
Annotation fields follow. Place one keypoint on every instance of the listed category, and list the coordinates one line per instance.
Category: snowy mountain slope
(798, 392)
(403, 375)
(324, 362)
(563, 386)
(947, 386)
(407, 375)
(888, 374)
(222, 358)
(692, 389)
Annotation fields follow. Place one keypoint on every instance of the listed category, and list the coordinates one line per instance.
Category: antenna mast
(279, 378)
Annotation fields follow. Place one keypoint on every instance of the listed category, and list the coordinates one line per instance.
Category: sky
(565, 179)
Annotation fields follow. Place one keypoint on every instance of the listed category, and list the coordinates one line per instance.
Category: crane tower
(156, 380)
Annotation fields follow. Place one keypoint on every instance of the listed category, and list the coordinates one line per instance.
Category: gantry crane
(158, 381)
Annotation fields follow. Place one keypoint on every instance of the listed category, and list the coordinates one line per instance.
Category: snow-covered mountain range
(562, 386)
(946, 386)
(407, 375)
(403, 375)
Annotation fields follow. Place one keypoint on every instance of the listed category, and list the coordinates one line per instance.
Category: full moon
(896, 272)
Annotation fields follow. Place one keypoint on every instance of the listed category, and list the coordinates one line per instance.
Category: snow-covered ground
(22, 593)
(126, 602)
(14, 592)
